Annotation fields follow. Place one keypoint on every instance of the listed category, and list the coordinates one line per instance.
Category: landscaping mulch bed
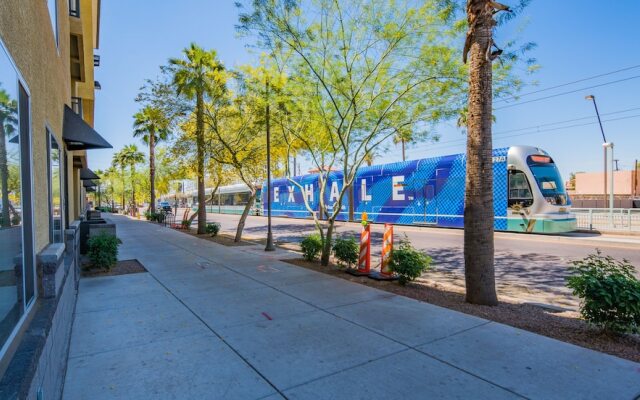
(562, 325)
(220, 238)
(122, 267)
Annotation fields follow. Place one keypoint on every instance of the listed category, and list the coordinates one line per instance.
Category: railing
(621, 219)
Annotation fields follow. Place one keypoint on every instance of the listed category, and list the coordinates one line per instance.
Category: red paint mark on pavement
(267, 316)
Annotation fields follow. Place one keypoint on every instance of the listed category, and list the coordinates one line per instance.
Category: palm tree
(152, 125)
(131, 156)
(118, 161)
(109, 178)
(478, 208)
(8, 121)
(198, 76)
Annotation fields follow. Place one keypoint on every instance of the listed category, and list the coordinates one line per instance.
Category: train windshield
(548, 178)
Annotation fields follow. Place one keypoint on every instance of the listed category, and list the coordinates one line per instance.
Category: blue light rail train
(529, 194)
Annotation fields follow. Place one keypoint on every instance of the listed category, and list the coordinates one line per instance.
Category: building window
(17, 261)
(74, 8)
(76, 105)
(53, 14)
(56, 225)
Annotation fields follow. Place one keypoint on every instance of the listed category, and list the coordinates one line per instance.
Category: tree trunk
(152, 170)
(243, 217)
(326, 246)
(202, 209)
(123, 190)
(478, 210)
(4, 178)
(133, 187)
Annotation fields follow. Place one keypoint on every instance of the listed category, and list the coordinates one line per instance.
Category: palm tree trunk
(133, 187)
(123, 189)
(478, 210)
(202, 209)
(152, 170)
(4, 178)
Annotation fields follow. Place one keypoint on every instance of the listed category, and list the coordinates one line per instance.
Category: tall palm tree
(198, 75)
(131, 156)
(119, 162)
(478, 208)
(152, 125)
(110, 178)
(8, 121)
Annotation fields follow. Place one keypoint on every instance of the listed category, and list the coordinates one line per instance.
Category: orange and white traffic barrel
(364, 260)
(387, 249)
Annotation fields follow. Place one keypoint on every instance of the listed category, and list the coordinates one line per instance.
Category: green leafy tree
(130, 156)
(364, 73)
(118, 162)
(238, 140)
(198, 76)
(8, 122)
(152, 125)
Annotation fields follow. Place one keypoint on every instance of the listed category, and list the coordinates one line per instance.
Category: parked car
(164, 206)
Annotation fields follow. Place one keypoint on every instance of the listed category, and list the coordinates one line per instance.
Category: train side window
(519, 189)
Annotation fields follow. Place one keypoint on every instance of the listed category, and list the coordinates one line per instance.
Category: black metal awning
(90, 190)
(89, 183)
(86, 174)
(78, 135)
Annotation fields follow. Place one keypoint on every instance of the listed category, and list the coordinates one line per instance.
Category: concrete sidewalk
(213, 322)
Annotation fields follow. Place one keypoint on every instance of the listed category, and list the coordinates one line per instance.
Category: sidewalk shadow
(532, 270)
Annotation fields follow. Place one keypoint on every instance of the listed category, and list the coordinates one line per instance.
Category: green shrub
(408, 263)
(103, 250)
(609, 292)
(311, 246)
(148, 215)
(186, 224)
(213, 228)
(346, 251)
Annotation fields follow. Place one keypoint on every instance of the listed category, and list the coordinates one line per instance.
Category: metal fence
(621, 219)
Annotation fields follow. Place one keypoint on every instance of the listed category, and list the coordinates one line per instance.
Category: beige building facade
(47, 100)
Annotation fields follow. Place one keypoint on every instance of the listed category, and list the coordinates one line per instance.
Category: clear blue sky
(576, 39)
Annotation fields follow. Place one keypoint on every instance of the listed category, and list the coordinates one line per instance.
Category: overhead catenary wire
(567, 84)
(458, 142)
(566, 93)
(533, 127)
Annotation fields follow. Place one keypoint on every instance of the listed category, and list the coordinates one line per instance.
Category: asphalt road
(528, 267)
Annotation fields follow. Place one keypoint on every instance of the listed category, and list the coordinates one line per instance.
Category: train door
(426, 210)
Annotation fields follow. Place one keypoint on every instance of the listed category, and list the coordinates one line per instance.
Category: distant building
(588, 190)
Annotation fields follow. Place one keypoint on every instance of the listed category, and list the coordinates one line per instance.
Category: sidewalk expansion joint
(219, 336)
(134, 346)
(327, 310)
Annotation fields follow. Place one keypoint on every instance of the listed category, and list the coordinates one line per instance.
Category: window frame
(54, 20)
(50, 140)
(74, 11)
(27, 194)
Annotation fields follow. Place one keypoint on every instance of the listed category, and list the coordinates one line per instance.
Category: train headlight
(551, 200)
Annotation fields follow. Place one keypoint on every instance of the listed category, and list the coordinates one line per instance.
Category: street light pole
(604, 144)
(269, 246)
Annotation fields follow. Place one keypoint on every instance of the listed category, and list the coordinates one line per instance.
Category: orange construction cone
(385, 273)
(364, 259)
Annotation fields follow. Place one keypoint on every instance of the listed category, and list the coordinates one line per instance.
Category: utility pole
(604, 145)
(403, 157)
(269, 246)
(294, 166)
